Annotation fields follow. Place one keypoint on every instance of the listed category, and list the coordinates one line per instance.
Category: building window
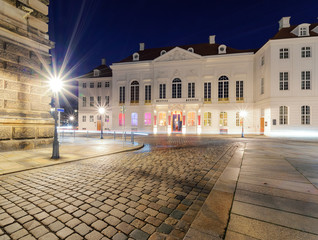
(91, 85)
(122, 94)
(191, 119)
(223, 119)
(84, 101)
(96, 72)
(262, 61)
(147, 119)
(191, 90)
(207, 92)
(283, 53)
(121, 119)
(305, 115)
(238, 119)
(107, 84)
(162, 119)
(83, 118)
(91, 118)
(134, 92)
(162, 52)
(84, 84)
(147, 94)
(91, 101)
(136, 56)
(162, 91)
(223, 88)
(99, 100)
(306, 52)
(305, 80)
(207, 121)
(106, 100)
(303, 31)
(191, 49)
(283, 81)
(239, 91)
(283, 115)
(262, 85)
(99, 84)
(106, 118)
(134, 119)
(176, 88)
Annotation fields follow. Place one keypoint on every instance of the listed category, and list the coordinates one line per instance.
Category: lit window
(207, 121)
(223, 119)
(191, 90)
(239, 91)
(134, 119)
(305, 115)
(91, 101)
(176, 88)
(306, 52)
(223, 88)
(283, 53)
(91, 85)
(162, 119)
(121, 119)
(283, 115)
(162, 91)
(99, 84)
(134, 92)
(91, 118)
(84, 101)
(238, 119)
(207, 92)
(305, 80)
(283, 81)
(191, 119)
(84, 119)
(84, 85)
(147, 118)
(122, 94)
(106, 84)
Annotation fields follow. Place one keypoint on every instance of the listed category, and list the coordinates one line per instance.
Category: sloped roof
(203, 49)
(105, 71)
(287, 32)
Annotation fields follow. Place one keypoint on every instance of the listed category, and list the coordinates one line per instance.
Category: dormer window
(191, 49)
(96, 72)
(136, 56)
(163, 52)
(303, 31)
(222, 49)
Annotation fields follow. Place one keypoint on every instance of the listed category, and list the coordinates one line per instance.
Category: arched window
(305, 115)
(134, 92)
(136, 56)
(223, 88)
(176, 88)
(162, 52)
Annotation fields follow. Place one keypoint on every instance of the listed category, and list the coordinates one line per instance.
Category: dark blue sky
(113, 29)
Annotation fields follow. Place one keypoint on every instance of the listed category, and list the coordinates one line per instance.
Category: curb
(74, 160)
(213, 217)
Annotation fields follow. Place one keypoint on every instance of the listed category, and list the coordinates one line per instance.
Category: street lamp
(101, 111)
(71, 120)
(243, 114)
(56, 86)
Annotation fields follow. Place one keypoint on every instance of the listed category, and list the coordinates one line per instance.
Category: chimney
(103, 61)
(212, 39)
(141, 46)
(284, 23)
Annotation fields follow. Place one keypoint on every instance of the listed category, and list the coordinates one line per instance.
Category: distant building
(25, 120)
(202, 88)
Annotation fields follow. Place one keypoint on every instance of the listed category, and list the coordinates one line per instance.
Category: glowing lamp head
(243, 114)
(71, 118)
(101, 110)
(56, 84)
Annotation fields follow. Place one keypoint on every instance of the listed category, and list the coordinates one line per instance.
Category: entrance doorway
(176, 121)
(262, 126)
(99, 125)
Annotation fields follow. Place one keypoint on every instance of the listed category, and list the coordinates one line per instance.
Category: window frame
(134, 92)
(207, 119)
(305, 115)
(223, 88)
(122, 94)
(283, 81)
(306, 52)
(162, 91)
(284, 53)
(305, 80)
(283, 115)
(239, 90)
(177, 88)
(191, 90)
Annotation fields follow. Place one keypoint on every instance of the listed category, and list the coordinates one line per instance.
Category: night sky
(113, 29)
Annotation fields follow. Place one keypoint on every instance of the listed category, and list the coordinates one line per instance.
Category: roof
(105, 71)
(203, 49)
(287, 32)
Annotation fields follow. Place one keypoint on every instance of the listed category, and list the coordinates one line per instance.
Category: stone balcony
(177, 100)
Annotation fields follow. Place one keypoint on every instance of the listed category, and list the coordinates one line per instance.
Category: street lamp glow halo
(71, 118)
(243, 114)
(101, 110)
(56, 84)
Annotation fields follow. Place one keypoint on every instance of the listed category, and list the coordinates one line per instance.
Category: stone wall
(25, 119)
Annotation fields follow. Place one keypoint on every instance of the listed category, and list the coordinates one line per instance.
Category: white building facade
(202, 88)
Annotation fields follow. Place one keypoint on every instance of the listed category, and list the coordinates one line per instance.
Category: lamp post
(243, 115)
(56, 86)
(101, 111)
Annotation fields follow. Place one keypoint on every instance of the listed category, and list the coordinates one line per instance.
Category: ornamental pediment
(177, 54)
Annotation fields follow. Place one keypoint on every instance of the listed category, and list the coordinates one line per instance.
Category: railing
(178, 100)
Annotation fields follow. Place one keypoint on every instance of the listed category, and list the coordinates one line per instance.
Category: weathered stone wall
(25, 119)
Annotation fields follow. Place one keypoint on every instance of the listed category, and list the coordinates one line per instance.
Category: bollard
(74, 133)
(114, 135)
(132, 137)
(87, 134)
(125, 136)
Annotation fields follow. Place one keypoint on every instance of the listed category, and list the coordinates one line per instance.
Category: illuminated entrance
(176, 121)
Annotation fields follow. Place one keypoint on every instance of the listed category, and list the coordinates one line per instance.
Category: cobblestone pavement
(153, 193)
